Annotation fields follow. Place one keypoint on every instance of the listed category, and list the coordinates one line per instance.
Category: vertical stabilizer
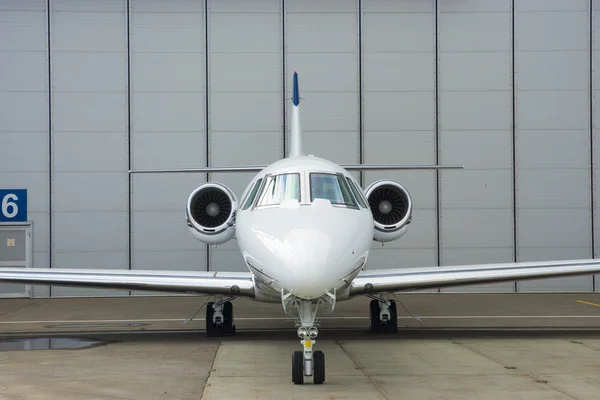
(296, 131)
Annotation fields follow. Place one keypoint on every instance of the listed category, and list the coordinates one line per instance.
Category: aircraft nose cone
(308, 251)
(310, 272)
(304, 260)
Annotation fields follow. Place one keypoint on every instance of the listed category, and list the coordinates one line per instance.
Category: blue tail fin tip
(296, 94)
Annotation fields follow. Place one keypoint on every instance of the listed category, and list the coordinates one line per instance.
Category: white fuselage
(305, 248)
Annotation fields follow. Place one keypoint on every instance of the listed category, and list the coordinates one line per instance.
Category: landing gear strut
(308, 362)
(383, 316)
(219, 318)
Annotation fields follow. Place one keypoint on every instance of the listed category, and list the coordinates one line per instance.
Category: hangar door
(15, 251)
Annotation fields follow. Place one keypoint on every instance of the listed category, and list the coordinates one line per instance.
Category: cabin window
(357, 193)
(278, 188)
(252, 194)
(331, 187)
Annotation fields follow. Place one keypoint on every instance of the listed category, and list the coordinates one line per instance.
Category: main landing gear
(383, 316)
(219, 317)
(308, 363)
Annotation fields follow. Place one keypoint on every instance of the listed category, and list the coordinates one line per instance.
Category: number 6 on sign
(13, 206)
(7, 205)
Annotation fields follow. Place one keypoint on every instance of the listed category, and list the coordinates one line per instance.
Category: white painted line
(93, 321)
(112, 321)
(502, 316)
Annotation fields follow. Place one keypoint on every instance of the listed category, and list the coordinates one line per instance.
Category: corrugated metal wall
(475, 129)
(24, 115)
(552, 65)
(167, 83)
(88, 62)
(91, 89)
(399, 117)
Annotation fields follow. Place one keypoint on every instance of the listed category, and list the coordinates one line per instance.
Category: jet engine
(210, 212)
(391, 207)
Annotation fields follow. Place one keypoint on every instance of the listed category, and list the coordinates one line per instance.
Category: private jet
(304, 227)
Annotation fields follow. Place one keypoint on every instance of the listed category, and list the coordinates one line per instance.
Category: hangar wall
(506, 87)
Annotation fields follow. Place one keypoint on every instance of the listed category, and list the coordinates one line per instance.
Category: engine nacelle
(391, 207)
(210, 213)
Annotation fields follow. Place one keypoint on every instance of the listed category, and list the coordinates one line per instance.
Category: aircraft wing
(403, 279)
(223, 283)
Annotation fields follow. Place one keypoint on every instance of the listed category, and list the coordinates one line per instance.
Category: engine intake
(210, 213)
(391, 206)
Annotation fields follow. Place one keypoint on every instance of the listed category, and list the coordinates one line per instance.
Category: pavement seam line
(20, 308)
(362, 369)
(531, 375)
(212, 369)
(589, 346)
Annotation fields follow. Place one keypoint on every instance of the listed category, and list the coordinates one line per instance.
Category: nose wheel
(319, 367)
(307, 363)
(298, 367)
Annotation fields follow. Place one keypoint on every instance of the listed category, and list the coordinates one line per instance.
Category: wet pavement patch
(47, 344)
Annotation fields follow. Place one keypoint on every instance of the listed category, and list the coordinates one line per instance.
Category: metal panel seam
(361, 132)
(283, 79)
(591, 107)
(514, 138)
(129, 180)
(437, 132)
(206, 109)
(49, 45)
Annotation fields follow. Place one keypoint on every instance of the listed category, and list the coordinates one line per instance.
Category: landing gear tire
(392, 326)
(209, 319)
(298, 367)
(374, 316)
(387, 327)
(318, 367)
(228, 317)
(225, 327)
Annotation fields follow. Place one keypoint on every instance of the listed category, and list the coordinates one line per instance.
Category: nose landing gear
(308, 362)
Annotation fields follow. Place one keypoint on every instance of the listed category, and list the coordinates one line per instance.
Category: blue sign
(13, 205)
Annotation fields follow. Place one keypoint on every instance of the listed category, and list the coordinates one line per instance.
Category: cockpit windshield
(331, 187)
(252, 195)
(278, 188)
(357, 195)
